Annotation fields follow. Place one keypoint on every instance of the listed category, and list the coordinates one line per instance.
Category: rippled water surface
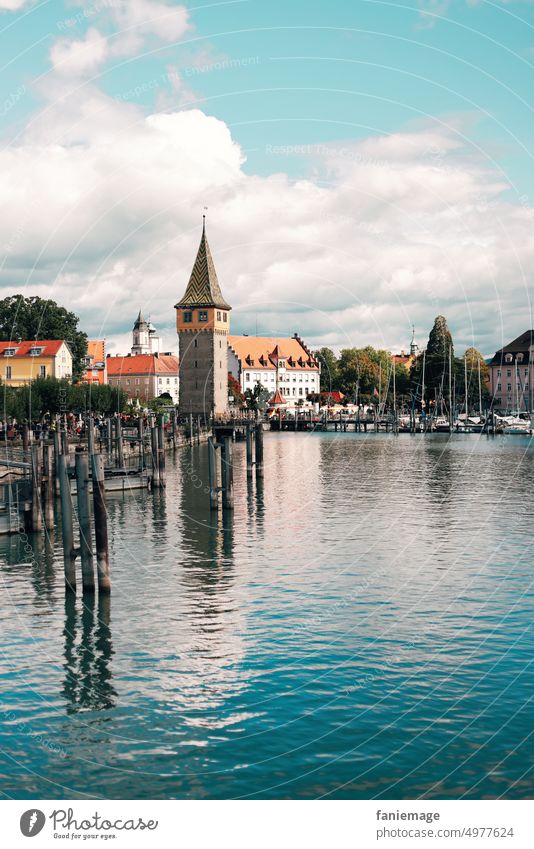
(361, 627)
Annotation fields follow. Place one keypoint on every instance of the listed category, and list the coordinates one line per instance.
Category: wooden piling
(90, 435)
(84, 520)
(259, 449)
(227, 473)
(141, 435)
(120, 448)
(36, 511)
(248, 437)
(101, 524)
(69, 554)
(212, 474)
(190, 428)
(109, 439)
(57, 452)
(48, 457)
(161, 452)
(155, 462)
(25, 436)
(65, 443)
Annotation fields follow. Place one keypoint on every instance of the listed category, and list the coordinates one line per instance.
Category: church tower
(140, 336)
(203, 324)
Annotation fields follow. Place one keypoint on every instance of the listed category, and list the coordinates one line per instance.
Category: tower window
(196, 343)
(225, 316)
(196, 364)
(202, 315)
(218, 315)
(188, 317)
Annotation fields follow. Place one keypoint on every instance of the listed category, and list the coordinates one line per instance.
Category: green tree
(436, 361)
(473, 363)
(329, 369)
(257, 398)
(36, 318)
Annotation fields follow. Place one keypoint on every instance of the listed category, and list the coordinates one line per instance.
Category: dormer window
(291, 362)
(301, 362)
(508, 358)
(36, 352)
(519, 358)
(281, 363)
(10, 352)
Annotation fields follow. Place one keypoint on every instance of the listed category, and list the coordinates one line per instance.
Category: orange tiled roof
(256, 352)
(50, 347)
(142, 364)
(277, 399)
(96, 350)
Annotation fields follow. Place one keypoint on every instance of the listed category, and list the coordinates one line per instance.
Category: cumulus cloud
(128, 24)
(13, 5)
(100, 209)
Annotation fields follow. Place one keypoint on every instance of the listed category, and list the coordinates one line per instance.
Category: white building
(283, 365)
(145, 339)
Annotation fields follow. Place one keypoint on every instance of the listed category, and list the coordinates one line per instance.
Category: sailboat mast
(450, 389)
(479, 391)
(465, 384)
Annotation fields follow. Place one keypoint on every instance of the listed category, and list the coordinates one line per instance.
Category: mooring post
(69, 554)
(198, 430)
(161, 452)
(190, 428)
(84, 520)
(25, 436)
(109, 439)
(101, 524)
(212, 474)
(90, 435)
(120, 449)
(48, 456)
(248, 436)
(141, 435)
(57, 452)
(173, 428)
(154, 447)
(227, 473)
(36, 513)
(65, 443)
(259, 450)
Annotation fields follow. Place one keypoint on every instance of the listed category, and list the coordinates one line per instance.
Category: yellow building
(22, 362)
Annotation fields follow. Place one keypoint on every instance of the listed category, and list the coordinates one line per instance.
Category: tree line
(365, 375)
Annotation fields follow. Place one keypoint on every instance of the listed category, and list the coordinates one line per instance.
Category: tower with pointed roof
(203, 324)
(140, 336)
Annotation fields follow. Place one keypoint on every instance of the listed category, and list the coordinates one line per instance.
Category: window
(36, 352)
(127, 381)
(218, 316)
(225, 316)
(526, 372)
(188, 317)
(498, 372)
(202, 315)
(196, 363)
(519, 358)
(220, 344)
(498, 387)
(509, 372)
(42, 371)
(9, 352)
(168, 381)
(247, 375)
(8, 372)
(509, 387)
(508, 358)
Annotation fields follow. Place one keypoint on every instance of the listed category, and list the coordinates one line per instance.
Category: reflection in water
(88, 651)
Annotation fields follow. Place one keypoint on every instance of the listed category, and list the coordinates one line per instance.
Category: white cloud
(79, 56)
(390, 231)
(13, 5)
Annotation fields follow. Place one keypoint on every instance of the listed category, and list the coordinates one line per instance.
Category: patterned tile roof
(203, 289)
(142, 364)
(264, 352)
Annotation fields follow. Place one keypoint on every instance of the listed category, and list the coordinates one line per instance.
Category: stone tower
(140, 336)
(203, 324)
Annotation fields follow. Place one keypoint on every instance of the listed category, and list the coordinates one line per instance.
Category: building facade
(95, 362)
(22, 362)
(511, 374)
(203, 324)
(281, 365)
(144, 377)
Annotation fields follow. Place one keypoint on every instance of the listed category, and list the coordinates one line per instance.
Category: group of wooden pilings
(89, 468)
(222, 445)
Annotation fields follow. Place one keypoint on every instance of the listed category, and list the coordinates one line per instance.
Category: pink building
(511, 374)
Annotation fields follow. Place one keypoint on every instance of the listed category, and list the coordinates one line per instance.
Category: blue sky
(302, 89)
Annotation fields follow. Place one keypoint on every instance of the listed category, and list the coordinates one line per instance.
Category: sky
(365, 165)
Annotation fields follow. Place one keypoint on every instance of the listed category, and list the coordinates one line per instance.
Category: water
(362, 628)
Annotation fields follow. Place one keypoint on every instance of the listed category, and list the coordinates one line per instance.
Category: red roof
(142, 364)
(22, 349)
(334, 396)
(277, 399)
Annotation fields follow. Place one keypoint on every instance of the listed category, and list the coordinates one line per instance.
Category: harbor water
(360, 627)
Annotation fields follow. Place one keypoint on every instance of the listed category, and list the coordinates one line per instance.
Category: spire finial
(204, 220)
